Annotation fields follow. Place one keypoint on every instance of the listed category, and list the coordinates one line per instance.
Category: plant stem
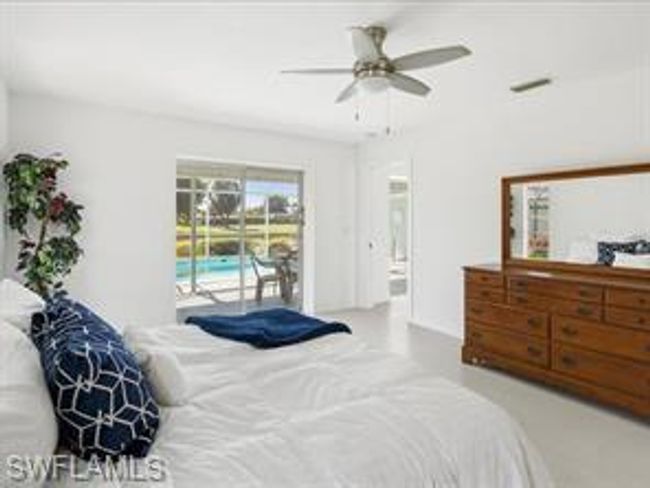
(42, 289)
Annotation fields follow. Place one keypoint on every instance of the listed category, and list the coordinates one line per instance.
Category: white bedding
(329, 413)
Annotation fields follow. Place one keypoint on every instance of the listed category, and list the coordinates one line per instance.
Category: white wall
(607, 208)
(4, 143)
(458, 161)
(4, 119)
(123, 170)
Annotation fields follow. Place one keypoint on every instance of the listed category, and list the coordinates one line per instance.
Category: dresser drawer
(484, 278)
(486, 293)
(592, 311)
(618, 374)
(545, 287)
(516, 320)
(583, 310)
(605, 338)
(517, 346)
(628, 317)
(618, 297)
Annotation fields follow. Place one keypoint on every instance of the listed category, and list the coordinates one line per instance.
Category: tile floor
(584, 445)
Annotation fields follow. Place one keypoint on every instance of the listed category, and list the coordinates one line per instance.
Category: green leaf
(31, 186)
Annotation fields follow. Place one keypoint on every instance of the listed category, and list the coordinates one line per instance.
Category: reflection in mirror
(529, 221)
(599, 220)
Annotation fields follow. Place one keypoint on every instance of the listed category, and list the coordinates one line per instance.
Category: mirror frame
(508, 261)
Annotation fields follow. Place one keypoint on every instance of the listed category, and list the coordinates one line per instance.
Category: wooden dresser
(583, 333)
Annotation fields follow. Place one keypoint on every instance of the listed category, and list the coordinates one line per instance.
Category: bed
(328, 413)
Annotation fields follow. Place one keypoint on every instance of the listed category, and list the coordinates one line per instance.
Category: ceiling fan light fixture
(374, 84)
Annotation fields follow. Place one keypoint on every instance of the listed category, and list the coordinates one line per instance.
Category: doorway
(390, 230)
(239, 238)
(398, 221)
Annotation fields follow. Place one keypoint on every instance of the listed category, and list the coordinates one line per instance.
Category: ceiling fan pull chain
(357, 116)
(388, 113)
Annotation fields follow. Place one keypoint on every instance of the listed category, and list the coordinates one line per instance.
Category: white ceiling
(220, 62)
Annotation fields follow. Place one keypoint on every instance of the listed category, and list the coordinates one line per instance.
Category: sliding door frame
(305, 230)
(242, 238)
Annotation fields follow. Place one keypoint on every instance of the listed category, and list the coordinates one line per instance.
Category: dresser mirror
(595, 220)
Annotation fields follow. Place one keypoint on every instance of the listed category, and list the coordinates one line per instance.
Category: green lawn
(225, 241)
(184, 231)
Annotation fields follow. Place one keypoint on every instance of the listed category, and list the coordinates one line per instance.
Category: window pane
(183, 183)
(183, 224)
(183, 239)
(203, 183)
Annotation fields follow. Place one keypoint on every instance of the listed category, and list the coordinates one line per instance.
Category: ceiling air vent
(530, 85)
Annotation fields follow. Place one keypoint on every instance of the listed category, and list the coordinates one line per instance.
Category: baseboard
(429, 326)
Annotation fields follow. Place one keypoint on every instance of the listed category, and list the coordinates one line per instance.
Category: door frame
(306, 231)
(369, 213)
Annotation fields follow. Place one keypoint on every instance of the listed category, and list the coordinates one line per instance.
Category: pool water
(213, 266)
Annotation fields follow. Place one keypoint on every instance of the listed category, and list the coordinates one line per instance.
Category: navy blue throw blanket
(268, 328)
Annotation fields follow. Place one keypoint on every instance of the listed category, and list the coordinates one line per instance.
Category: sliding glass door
(238, 238)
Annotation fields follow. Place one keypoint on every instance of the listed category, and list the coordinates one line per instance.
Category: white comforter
(330, 413)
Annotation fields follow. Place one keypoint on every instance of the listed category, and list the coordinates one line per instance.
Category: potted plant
(46, 219)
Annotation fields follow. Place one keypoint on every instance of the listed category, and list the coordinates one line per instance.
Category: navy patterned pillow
(102, 400)
(607, 250)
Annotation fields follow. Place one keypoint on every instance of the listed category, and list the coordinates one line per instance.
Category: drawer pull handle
(642, 301)
(485, 278)
(569, 331)
(533, 351)
(522, 300)
(485, 293)
(585, 311)
(533, 322)
(521, 284)
(568, 361)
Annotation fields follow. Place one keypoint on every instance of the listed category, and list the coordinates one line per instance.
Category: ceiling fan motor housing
(379, 68)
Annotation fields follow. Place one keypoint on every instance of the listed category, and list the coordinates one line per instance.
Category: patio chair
(289, 276)
(180, 293)
(263, 278)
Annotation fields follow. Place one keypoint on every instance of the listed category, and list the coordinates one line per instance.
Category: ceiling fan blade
(430, 57)
(317, 71)
(365, 49)
(347, 92)
(408, 84)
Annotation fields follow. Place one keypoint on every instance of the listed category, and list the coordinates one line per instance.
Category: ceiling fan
(373, 71)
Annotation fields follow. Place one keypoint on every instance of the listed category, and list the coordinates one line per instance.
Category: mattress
(329, 413)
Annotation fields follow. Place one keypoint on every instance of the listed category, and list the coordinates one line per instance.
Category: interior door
(379, 232)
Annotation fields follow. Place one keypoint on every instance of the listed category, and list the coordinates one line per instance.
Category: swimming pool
(213, 266)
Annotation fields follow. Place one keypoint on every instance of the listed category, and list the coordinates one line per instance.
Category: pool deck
(223, 296)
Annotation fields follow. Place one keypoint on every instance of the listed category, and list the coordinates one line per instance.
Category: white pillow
(17, 304)
(167, 378)
(27, 423)
(162, 368)
(626, 260)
